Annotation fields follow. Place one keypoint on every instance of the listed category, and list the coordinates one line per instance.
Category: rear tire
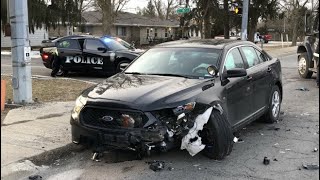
(217, 136)
(303, 66)
(273, 112)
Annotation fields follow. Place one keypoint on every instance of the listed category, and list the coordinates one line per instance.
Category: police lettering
(88, 60)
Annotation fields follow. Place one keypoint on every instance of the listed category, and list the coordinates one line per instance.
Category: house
(35, 38)
(132, 27)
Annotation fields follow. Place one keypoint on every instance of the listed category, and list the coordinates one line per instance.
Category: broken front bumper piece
(192, 141)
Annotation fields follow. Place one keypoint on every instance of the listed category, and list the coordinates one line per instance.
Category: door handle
(249, 78)
(269, 69)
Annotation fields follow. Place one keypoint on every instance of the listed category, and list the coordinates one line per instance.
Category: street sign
(183, 10)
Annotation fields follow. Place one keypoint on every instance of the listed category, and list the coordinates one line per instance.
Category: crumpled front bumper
(121, 138)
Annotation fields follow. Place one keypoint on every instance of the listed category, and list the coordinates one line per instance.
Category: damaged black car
(191, 94)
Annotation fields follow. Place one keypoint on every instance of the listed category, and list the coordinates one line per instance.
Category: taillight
(45, 56)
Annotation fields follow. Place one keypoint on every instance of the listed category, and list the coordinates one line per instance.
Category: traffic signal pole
(20, 52)
(244, 24)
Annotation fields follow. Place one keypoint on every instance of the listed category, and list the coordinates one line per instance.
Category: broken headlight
(184, 109)
(80, 102)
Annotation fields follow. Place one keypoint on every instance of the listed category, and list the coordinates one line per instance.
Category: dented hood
(146, 92)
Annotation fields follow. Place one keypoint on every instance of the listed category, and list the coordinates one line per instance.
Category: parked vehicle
(307, 62)
(85, 53)
(191, 94)
(266, 38)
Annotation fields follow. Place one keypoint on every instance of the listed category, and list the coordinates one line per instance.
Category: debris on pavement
(303, 89)
(196, 165)
(274, 128)
(275, 159)
(282, 152)
(266, 161)
(315, 150)
(288, 129)
(261, 134)
(276, 144)
(311, 166)
(288, 149)
(170, 168)
(237, 140)
(192, 141)
(35, 177)
(305, 114)
(156, 165)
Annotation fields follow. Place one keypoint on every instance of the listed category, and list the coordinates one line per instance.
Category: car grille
(107, 118)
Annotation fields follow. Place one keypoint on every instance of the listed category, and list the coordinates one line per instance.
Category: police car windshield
(113, 44)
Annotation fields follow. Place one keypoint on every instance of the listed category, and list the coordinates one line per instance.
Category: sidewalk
(34, 54)
(33, 131)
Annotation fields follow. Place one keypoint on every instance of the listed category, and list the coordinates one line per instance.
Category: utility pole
(244, 24)
(21, 52)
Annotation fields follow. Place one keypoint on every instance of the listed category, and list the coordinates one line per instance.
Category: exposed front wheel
(303, 66)
(122, 65)
(217, 136)
(273, 112)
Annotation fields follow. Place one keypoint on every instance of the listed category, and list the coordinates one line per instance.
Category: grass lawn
(48, 90)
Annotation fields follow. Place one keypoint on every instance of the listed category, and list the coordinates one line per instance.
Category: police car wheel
(122, 65)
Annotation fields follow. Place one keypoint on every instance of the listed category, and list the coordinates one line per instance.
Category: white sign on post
(27, 53)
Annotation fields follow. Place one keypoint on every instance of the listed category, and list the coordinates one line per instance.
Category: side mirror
(236, 72)
(213, 70)
(102, 49)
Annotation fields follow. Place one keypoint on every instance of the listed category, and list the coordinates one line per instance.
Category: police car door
(69, 52)
(96, 55)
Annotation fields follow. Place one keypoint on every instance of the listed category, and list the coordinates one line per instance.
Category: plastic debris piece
(235, 139)
(35, 177)
(311, 166)
(275, 159)
(156, 165)
(305, 114)
(266, 161)
(196, 146)
(276, 144)
(315, 150)
(170, 168)
(302, 89)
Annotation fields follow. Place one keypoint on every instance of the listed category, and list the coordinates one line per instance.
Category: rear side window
(234, 60)
(93, 44)
(68, 43)
(251, 56)
(262, 57)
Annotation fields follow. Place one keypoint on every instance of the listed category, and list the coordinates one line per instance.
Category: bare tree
(109, 10)
(159, 7)
(170, 6)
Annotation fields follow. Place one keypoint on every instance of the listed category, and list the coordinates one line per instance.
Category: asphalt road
(291, 142)
(37, 68)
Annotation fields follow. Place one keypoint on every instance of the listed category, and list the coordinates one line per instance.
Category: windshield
(123, 43)
(189, 62)
(113, 44)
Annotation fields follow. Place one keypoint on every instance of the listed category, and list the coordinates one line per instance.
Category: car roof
(204, 43)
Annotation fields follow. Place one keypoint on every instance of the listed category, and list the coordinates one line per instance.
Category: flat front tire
(217, 136)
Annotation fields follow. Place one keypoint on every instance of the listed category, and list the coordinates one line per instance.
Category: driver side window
(234, 60)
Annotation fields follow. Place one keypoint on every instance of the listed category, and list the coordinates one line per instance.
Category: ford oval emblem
(107, 118)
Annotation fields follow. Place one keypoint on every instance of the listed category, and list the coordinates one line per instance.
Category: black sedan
(193, 94)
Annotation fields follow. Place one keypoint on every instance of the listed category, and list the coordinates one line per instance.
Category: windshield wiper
(175, 75)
